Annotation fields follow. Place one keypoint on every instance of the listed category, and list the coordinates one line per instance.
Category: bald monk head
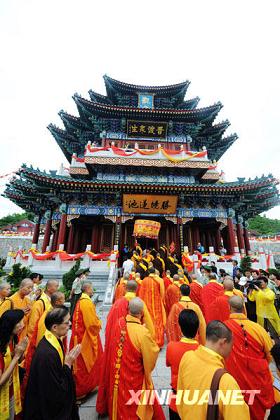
(136, 307)
(87, 288)
(185, 290)
(156, 272)
(137, 276)
(167, 272)
(131, 286)
(228, 285)
(5, 289)
(126, 276)
(236, 304)
(51, 287)
(57, 299)
(25, 287)
(176, 277)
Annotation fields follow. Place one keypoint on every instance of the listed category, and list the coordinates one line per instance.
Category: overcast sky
(229, 50)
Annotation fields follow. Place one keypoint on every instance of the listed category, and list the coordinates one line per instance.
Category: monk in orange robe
(152, 293)
(85, 331)
(40, 305)
(173, 330)
(132, 356)
(120, 287)
(20, 300)
(167, 280)
(219, 308)
(172, 294)
(196, 289)
(209, 293)
(249, 359)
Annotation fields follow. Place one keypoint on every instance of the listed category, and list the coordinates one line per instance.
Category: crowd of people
(218, 351)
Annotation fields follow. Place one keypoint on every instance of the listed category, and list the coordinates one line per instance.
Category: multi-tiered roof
(106, 159)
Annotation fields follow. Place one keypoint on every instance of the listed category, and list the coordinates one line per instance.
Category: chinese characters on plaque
(152, 129)
(153, 204)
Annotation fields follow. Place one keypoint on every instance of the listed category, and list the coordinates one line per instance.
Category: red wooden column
(62, 226)
(48, 228)
(246, 238)
(218, 239)
(54, 241)
(231, 236)
(36, 230)
(70, 241)
(239, 231)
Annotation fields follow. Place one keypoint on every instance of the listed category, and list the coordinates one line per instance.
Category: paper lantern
(146, 228)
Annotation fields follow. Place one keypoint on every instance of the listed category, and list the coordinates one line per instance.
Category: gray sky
(229, 50)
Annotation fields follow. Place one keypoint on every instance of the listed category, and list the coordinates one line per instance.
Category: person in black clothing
(50, 392)
(213, 267)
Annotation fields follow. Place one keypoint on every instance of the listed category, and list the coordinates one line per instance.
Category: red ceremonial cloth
(250, 369)
(208, 294)
(167, 282)
(149, 292)
(195, 294)
(219, 309)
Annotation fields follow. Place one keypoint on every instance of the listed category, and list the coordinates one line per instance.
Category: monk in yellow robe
(20, 300)
(120, 287)
(249, 359)
(131, 359)
(85, 331)
(196, 371)
(265, 309)
(5, 302)
(57, 299)
(40, 305)
(152, 293)
(173, 330)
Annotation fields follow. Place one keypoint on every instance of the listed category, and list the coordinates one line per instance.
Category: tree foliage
(245, 264)
(70, 276)
(18, 273)
(14, 218)
(264, 226)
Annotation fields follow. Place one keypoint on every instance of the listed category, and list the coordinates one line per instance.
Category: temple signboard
(149, 204)
(149, 129)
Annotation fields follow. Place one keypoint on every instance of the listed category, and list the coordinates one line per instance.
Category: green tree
(14, 218)
(18, 273)
(245, 264)
(70, 276)
(264, 226)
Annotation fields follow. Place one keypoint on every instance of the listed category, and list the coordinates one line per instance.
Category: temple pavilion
(141, 152)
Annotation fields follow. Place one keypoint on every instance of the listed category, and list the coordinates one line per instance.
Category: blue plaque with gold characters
(145, 100)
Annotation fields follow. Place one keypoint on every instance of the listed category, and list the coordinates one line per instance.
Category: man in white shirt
(128, 266)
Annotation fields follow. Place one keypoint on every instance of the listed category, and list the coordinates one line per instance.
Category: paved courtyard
(161, 376)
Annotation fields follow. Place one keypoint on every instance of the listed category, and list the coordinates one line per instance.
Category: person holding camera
(264, 298)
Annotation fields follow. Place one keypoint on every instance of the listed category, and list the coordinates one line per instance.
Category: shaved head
(138, 276)
(131, 286)
(4, 284)
(176, 277)
(236, 304)
(25, 282)
(57, 299)
(86, 286)
(126, 276)
(228, 284)
(51, 286)
(136, 307)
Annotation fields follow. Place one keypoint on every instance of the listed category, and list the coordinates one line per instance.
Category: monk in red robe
(152, 293)
(85, 331)
(219, 308)
(167, 279)
(173, 330)
(188, 322)
(132, 356)
(249, 359)
(209, 293)
(196, 289)
(172, 294)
